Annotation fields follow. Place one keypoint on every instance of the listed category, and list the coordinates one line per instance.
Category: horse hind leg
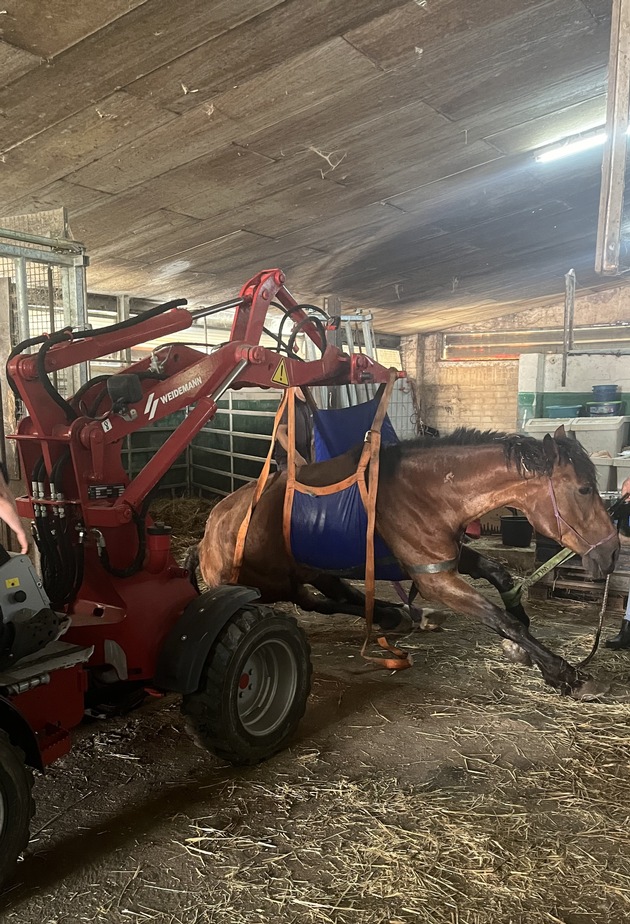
(322, 603)
(191, 563)
(338, 596)
(391, 617)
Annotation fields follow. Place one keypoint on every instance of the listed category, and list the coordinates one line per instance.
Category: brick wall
(484, 393)
(470, 394)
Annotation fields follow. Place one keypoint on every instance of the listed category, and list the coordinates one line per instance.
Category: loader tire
(16, 806)
(254, 687)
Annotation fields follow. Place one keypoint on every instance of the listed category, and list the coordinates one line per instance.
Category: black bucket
(516, 531)
(546, 548)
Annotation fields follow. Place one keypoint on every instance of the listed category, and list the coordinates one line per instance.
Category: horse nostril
(593, 568)
(599, 562)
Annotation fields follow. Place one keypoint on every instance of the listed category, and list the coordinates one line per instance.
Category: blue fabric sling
(328, 532)
(339, 429)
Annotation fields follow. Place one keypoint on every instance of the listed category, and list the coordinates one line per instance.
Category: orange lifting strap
(368, 488)
(239, 548)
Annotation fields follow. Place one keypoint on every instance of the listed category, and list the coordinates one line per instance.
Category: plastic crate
(622, 468)
(602, 434)
(539, 426)
(606, 475)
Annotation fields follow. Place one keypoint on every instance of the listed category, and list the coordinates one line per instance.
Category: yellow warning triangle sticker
(280, 376)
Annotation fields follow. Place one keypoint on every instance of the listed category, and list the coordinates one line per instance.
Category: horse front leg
(476, 565)
(452, 590)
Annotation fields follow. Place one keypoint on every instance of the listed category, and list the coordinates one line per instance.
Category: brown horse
(429, 490)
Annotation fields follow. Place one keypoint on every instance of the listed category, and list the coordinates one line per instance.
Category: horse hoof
(416, 620)
(515, 653)
(589, 690)
(430, 620)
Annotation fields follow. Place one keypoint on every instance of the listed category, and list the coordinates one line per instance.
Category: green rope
(513, 596)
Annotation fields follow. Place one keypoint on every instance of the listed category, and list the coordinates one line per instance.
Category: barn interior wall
(485, 393)
(540, 382)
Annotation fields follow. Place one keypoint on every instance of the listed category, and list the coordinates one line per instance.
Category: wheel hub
(267, 687)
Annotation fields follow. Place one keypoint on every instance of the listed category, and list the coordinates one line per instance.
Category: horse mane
(524, 453)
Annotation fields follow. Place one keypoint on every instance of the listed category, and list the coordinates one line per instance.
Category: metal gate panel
(230, 450)
(43, 290)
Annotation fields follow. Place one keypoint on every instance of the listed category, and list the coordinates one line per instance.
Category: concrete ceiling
(376, 150)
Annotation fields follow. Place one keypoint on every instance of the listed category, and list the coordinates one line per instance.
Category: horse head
(569, 508)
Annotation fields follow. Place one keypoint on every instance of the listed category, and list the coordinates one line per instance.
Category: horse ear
(549, 447)
(561, 433)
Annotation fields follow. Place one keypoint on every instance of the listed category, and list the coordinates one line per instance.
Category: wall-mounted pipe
(569, 317)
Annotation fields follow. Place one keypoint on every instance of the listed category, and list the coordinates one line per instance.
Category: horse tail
(191, 564)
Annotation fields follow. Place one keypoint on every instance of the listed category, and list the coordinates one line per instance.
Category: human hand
(9, 514)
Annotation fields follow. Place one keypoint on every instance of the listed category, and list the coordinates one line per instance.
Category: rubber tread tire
(210, 712)
(16, 784)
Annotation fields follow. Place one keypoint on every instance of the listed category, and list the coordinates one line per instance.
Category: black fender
(188, 644)
(20, 732)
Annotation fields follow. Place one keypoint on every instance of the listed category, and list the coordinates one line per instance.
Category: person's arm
(282, 437)
(625, 487)
(9, 514)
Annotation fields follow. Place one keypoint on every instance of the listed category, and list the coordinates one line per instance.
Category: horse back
(331, 471)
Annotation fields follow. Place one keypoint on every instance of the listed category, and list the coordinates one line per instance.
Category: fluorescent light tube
(566, 148)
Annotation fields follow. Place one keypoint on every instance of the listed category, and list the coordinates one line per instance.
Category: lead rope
(600, 625)
(510, 597)
(602, 612)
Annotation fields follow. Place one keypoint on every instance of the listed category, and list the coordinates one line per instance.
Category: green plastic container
(570, 410)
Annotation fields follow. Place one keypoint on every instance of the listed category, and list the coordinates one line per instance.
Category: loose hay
(377, 851)
(187, 516)
(526, 819)
(492, 842)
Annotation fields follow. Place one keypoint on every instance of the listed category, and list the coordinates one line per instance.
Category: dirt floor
(459, 792)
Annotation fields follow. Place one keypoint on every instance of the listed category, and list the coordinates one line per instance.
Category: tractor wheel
(253, 689)
(16, 805)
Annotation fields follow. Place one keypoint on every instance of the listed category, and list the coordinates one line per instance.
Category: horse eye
(586, 490)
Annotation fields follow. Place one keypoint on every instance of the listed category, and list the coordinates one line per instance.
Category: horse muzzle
(601, 560)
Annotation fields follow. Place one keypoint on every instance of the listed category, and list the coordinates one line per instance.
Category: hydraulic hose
(298, 327)
(75, 400)
(93, 409)
(53, 540)
(289, 311)
(66, 334)
(136, 565)
(24, 345)
(130, 322)
(43, 377)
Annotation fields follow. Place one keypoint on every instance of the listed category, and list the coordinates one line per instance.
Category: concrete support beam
(614, 162)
